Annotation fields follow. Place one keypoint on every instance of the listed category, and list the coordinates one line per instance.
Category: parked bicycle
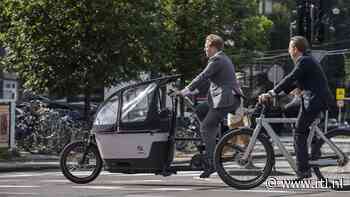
(40, 129)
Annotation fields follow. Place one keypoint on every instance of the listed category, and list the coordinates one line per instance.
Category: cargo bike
(135, 131)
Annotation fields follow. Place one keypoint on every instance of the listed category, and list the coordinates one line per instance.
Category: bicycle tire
(337, 136)
(65, 168)
(262, 171)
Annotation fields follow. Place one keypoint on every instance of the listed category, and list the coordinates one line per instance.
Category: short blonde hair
(216, 41)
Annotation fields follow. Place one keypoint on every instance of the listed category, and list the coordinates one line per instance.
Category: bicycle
(328, 154)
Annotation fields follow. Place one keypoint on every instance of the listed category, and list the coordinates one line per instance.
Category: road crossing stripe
(265, 191)
(97, 187)
(55, 181)
(19, 186)
(11, 180)
(18, 194)
(134, 181)
(171, 189)
(131, 188)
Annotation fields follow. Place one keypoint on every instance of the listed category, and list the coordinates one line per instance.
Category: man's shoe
(250, 165)
(303, 175)
(207, 173)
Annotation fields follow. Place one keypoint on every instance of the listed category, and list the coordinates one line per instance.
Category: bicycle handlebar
(173, 92)
(259, 108)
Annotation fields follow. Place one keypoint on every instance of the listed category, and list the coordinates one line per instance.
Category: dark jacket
(223, 83)
(308, 75)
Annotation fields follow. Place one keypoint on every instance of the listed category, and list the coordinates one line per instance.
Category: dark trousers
(211, 126)
(305, 119)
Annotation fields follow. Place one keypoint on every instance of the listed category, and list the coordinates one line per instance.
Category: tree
(190, 21)
(71, 47)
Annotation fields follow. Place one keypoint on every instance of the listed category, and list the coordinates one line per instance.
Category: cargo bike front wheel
(80, 162)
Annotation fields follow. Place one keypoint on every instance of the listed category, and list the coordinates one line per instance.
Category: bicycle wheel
(335, 176)
(243, 174)
(75, 168)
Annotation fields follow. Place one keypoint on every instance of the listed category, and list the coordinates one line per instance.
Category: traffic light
(303, 19)
(320, 20)
(312, 20)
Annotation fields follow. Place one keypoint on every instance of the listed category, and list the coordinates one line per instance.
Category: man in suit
(223, 97)
(309, 77)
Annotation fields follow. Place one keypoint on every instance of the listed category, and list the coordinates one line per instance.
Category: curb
(27, 166)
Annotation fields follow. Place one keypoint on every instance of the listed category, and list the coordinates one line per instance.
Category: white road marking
(31, 174)
(55, 181)
(254, 191)
(131, 188)
(134, 181)
(19, 186)
(97, 187)
(16, 175)
(142, 195)
(18, 193)
(189, 189)
(119, 174)
(171, 189)
(11, 180)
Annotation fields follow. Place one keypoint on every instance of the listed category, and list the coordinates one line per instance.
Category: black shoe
(250, 165)
(303, 175)
(207, 173)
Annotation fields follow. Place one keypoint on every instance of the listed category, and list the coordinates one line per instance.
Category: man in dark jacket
(224, 94)
(309, 77)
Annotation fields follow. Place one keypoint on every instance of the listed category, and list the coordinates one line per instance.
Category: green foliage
(69, 46)
(6, 154)
(190, 21)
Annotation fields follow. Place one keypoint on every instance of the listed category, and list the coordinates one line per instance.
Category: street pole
(274, 82)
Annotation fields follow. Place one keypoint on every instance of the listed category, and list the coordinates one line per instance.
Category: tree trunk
(87, 98)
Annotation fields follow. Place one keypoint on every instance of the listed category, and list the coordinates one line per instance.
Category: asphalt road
(53, 183)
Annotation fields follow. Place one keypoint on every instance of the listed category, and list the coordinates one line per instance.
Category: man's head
(298, 45)
(213, 44)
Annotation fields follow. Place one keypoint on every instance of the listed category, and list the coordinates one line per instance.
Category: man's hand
(296, 92)
(175, 92)
(184, 92)
(263, 98)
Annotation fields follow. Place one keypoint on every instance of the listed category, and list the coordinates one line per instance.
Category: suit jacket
(309, 77)
(223, 83)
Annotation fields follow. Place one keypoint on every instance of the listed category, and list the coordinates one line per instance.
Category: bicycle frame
(263, 122)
